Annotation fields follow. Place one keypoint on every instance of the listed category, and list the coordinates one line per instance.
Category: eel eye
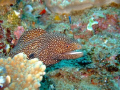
(67, 46)
(31, 56)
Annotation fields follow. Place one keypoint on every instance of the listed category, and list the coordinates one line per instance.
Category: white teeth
(74, 52)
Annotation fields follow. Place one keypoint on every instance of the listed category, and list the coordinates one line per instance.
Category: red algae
(5, 40)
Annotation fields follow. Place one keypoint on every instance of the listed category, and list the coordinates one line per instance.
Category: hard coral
(7, 2)
(25, 74)
(66, 6)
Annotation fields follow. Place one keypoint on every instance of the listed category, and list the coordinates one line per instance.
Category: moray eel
(48, 47)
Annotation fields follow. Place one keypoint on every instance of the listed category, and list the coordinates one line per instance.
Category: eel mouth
(70, 55)
(74, 52)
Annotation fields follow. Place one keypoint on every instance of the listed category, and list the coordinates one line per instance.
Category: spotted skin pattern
(48, 47)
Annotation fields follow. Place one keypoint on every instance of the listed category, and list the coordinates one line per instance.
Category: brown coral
(7, 2)
(25, 74)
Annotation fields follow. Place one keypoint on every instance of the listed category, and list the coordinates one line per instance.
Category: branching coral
(25, 74)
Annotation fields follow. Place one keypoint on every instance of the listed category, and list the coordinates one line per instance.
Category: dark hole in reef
(112, 68)
(118, 58)
(84, 63)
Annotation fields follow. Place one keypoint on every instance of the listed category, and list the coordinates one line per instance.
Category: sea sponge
(25, 74)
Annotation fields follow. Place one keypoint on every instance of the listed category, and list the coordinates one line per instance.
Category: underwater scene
(59, 44)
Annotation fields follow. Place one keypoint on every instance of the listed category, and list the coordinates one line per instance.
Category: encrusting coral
(25, 74)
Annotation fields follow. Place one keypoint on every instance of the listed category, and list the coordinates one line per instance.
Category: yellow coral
(57, 18)
(25, 74)
(13, 18)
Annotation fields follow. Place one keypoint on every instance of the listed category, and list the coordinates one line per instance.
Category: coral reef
(5, 40)
(25, 74)
(108, 46)
(7, 2)
(104, 22)
(66, 6)
(13, 18)
(93, 25)
(70, 78)
(101, 45)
